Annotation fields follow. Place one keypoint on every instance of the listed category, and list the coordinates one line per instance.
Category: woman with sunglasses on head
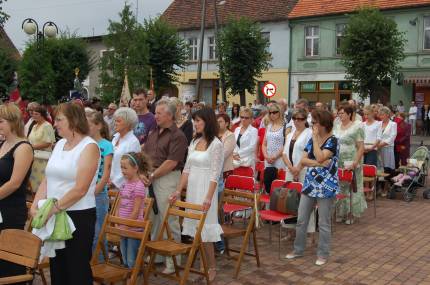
(320, 185)
(350, 134)
(246, 137)
(273, 145)
(295, 143)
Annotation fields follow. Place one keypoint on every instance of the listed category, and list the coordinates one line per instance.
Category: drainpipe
(289, 63)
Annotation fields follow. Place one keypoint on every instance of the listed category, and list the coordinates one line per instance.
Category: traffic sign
(269, 89)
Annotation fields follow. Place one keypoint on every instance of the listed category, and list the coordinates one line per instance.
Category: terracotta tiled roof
(186, 14)
(6, 43)
(310, 8)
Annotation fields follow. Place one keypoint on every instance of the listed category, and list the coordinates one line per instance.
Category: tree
(46, 72)
(245, 56)
(128, 53)
(167, 52)
(3, 16)
(8, 67)
(371, 50)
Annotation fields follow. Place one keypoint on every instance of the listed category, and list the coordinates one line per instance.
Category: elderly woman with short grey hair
(385, 140)
(124, 141)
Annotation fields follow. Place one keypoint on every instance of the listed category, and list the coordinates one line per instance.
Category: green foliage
(372, 50)
(3, 16)
(129, 51)
(8, 67)
(46, 72)
(245, 56)
(167, 52)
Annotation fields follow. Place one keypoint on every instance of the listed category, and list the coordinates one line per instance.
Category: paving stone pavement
(393, 248)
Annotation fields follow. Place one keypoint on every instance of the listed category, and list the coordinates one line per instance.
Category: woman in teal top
(99, 131)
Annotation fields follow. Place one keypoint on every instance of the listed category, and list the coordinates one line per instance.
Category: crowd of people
(75, 153)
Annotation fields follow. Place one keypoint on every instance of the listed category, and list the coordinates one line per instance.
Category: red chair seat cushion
(264, 198)
(231, 208)
(274, 216)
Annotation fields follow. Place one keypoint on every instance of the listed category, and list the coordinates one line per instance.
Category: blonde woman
(273, 145)
(246, 137)
(16, 156)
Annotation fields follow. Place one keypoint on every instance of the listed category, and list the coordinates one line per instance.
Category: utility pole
(221, 74)
(202, 38)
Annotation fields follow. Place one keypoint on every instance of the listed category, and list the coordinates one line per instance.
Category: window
(312, 41)
(340, 33)
(212, 47)
(192, 49)
(427, 32)
(266, 36)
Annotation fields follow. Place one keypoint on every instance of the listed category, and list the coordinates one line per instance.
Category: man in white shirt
(413, 117)
(109, 117)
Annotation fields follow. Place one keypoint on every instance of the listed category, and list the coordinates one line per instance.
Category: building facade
(272, 15)
(316, 70)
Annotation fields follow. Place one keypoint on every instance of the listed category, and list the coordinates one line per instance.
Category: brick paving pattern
(394, 248)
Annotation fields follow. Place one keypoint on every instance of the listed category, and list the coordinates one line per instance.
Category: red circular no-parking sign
(269, 89)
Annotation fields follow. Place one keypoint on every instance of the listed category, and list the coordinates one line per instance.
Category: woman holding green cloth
(71, 179)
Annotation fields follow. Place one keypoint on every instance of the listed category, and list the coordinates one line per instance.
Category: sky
(86, 18)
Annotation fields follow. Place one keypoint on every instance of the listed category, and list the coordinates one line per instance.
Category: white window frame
(212, 55)
(193, 44)
(312, 38)
(339, 35)
(426, 29)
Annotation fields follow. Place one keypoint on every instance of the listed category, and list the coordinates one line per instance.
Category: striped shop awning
(417, 80)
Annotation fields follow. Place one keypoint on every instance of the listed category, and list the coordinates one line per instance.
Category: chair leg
(351, 217)
(205, 263)
(374, 202)
(42, 275)
(186, 272)
(257, 256)
(148, 268)
(279, 241)
(241, 254)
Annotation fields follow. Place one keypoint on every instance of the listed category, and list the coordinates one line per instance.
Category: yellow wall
(277, 76)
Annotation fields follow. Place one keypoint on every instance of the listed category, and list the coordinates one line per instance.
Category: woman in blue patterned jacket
(320, 185)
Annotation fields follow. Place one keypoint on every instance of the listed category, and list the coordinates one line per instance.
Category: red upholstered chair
(275, 216)
(369, 176)
(347, 176)
(244, 171)
(281, 174)
(236, 182)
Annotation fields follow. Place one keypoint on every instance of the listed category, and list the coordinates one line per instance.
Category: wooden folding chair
(107, 272)
(171, 248)
(44, 264)
(20, 247)
(114, 240)
(249, 200)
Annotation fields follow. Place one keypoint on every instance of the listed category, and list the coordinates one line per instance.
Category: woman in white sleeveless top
(273, 146)
(71, 179)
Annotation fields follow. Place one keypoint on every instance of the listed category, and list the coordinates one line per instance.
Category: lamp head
(29, 27)
(50, 30)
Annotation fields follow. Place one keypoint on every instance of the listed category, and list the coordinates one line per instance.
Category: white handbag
(42, 154)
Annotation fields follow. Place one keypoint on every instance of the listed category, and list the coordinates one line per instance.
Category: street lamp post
(49, 30)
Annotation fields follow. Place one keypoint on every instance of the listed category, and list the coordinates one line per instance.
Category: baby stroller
(412, 176)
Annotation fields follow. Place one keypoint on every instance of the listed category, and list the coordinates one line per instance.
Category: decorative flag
(125, 93)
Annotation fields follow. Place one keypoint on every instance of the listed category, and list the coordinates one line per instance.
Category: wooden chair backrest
(20, 247)
(235, 197)
(118, 226)
(113, 201)
(183, 210)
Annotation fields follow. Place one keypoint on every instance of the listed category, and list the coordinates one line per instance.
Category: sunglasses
(273, 112)
(298, 119)
(244, 117)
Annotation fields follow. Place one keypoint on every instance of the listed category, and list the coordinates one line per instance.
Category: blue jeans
(102, 208)
(129, 248)
(220, 245)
